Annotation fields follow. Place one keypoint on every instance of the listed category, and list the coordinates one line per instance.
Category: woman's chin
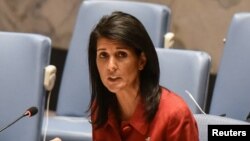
(114, 88)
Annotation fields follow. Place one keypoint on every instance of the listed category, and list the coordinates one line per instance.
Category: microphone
(29, 112)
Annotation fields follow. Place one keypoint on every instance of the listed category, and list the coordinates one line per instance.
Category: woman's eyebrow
(101, 49)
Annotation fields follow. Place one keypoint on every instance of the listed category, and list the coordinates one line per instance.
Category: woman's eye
(103, 55)
(122, 54)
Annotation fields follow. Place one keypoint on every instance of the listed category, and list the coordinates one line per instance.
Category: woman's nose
(112, 65)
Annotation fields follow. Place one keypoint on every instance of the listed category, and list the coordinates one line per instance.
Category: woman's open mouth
(113, 78)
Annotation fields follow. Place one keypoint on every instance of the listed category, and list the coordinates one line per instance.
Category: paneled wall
(53, 18)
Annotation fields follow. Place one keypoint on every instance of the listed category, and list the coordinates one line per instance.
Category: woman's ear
(142, 61)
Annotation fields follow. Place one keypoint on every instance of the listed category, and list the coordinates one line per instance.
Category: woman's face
(118, 65)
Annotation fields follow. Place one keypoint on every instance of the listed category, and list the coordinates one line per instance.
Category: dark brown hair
(128, 30)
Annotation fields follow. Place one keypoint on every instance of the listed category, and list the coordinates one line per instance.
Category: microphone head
(31, 111)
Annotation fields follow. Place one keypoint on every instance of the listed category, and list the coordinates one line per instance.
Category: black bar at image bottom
(236, 132)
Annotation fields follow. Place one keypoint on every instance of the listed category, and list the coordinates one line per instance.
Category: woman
(127, 102)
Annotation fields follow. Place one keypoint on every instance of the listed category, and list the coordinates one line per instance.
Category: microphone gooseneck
(195, 102)
(29, 112)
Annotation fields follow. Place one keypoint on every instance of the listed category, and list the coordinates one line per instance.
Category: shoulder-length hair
(128, 30)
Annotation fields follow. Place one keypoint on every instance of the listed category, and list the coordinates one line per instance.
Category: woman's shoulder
(173, 104)
(173, 110)
(170, 98)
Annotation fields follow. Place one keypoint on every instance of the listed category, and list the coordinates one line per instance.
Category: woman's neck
(127, 103)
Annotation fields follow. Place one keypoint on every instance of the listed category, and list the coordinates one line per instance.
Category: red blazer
(172, 122)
